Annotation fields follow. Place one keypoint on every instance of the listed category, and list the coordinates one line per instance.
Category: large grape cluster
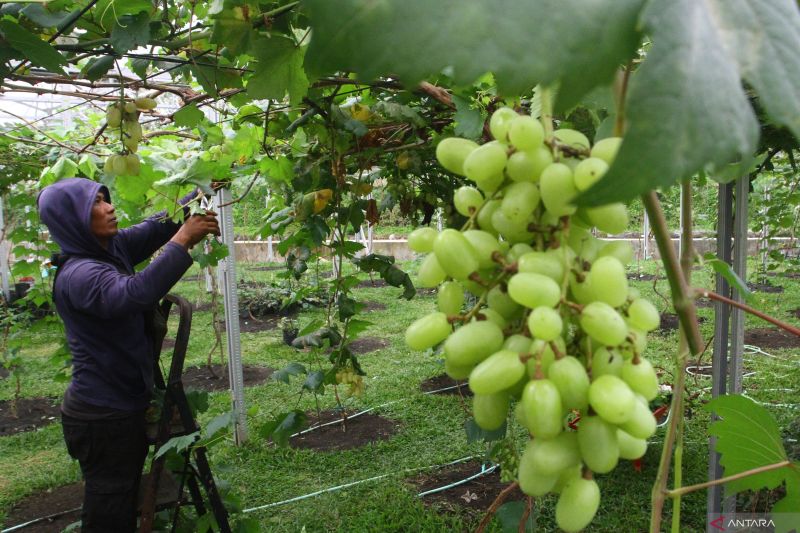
(125, 116)
(556, 334)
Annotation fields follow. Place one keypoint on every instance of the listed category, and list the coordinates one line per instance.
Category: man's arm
(143, 239)
(99, 289)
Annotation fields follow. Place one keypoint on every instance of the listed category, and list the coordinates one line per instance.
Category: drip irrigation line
(353, 483)
(39, 520)
(483, 472)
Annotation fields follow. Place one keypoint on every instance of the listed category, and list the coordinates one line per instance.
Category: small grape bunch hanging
(556, 334)
(125, 116)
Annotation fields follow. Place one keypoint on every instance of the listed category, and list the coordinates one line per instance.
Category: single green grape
(605, 361)
(543, 408)
(472, 343)
(588, 172)
(534, 290)
(622, 250)
(421, 240)
(499, 372)
(545, 323)
(641, 377)
(485, 216)
(612, 399)
(455, 254)
(450, 297)
(577, 505)
(611, 218)
(452, 152)
(430, 273)
(500, 123)
(531, 481)
(499, 300)
(467, 200)
(602, 322)
(547, 264)
(570, 378)
(630, 447)
(525, 133)
(428, 331)
(552, 456)
(597, 441)
(485, 245)
(485, 165)
(641, 424)
(643, 315)
(518, 343)
(490, 410)
(606, 149)
(557, 188)
(609, 281)
(520, 200)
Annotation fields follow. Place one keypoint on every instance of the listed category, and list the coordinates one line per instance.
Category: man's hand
(195, 229)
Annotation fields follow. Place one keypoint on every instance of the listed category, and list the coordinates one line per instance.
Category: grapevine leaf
(510, 515)
(232, 32)
(476, 434)
(469, 121)
(32, 47)
(724, 269)
(97, 67)
(279, 70)
(110, 11)
(764, 36)
(355, 327)
(283, 427)
(130, 31)
(418, 38)
(87, 166)
(188, 116)
(686, 105)
(784, 512)
(44, 18)
(292, 369)
(314, 381)
(399, 112)
(347, 307)
(747, 438)
(197, 400)
(178, 444)
(139, 66)
(216, 74)
(218, 423)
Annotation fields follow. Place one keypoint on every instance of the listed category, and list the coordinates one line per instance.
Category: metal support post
(740, 267)
(227, 281)
(4, 249)
(719, 362)
(646, 234)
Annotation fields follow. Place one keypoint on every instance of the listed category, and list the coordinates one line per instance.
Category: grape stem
(727, 479)
(718, 297)
(527, 513)
(504, 494)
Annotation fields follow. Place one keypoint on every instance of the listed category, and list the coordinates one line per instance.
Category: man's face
(104, 221)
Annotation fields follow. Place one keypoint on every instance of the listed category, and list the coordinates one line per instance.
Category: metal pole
(740, 267)
(680, 225)
(646, 233)
(719, 362)
(270, 251)
(4, 254)
(227, 281)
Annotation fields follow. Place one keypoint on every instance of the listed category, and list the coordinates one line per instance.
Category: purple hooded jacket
(102, 301)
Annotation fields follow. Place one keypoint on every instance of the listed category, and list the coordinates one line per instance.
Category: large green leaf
(130, 31)
(523, 42)
(747, 438)
(279, 70)
(32, 47)
(687, 107)
(108, 12)
(232, 32)
(764, 36)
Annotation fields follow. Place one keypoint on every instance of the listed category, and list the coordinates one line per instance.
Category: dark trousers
(111, 454)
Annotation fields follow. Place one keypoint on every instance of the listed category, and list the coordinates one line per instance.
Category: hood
(65, 207)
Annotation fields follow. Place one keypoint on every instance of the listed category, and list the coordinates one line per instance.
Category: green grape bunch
(124, 115)
(556, 332)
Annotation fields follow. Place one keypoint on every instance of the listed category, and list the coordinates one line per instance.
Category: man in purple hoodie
(105, 306)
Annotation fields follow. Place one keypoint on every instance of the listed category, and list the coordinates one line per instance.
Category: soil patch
(47, 503)
(32, 413)
(367, 344)
(263, 323)
(426, 292)
(795, 313)
(644, 277)
(266, 268)
(373, 306)
(198, 377)
(372, 283)
(357, 432)
(764, 287)
(4, 373)
(703, 303)
(168, 344)
(203, 307)
(194, 277)
(771, 338)
(444, 384)
(670, 322)
(475, 495)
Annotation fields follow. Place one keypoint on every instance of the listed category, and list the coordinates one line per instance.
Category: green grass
(431, 427)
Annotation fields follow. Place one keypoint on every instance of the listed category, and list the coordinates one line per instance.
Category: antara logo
(718, 523)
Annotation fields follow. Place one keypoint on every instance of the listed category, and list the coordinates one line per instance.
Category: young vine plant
(556, 332)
